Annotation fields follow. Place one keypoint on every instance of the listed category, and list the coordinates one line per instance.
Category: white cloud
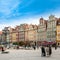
(28, 20)
(7, 5)
(13, 23)
(26, 3)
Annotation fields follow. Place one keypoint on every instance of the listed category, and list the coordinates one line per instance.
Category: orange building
(26, 32)
(0, 36)
(32, 32)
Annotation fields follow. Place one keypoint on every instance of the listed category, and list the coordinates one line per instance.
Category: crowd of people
(46, 51)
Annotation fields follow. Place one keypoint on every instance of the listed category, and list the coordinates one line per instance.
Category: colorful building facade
(5, 35)
(42, 30)
(58, 32)
(51, 28)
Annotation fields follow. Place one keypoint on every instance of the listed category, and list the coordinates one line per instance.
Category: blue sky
(16, 12)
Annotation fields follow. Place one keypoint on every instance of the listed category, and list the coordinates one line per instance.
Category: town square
(29, 29)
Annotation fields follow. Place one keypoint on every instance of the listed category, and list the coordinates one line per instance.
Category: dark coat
(2, 49)
(50, 50)
(43, 51)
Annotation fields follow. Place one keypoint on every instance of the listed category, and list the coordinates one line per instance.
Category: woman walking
(47, 51)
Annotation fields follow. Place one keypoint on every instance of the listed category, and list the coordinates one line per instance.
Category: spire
(41, 20)
(51, 17)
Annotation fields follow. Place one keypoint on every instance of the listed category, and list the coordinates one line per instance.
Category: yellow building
(13, 35)
(58, 32)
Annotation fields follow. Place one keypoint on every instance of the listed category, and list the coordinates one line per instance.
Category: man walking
(43, 51)
(50, 50)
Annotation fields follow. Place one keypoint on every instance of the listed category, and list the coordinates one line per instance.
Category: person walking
(55, 46)
(47, 51)
(34, 47)
(50, 50)
(43, 53)
(2, 49)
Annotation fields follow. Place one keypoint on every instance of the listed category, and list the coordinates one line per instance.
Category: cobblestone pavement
(29, 55)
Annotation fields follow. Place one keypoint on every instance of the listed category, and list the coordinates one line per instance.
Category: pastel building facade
(32, 32)
(14, 34)
(58, 32)
(51, 28)
(5, 35)
(42, 30)
(0, 37)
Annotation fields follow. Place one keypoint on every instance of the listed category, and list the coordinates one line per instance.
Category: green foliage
(21, 43)
(15, 43)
